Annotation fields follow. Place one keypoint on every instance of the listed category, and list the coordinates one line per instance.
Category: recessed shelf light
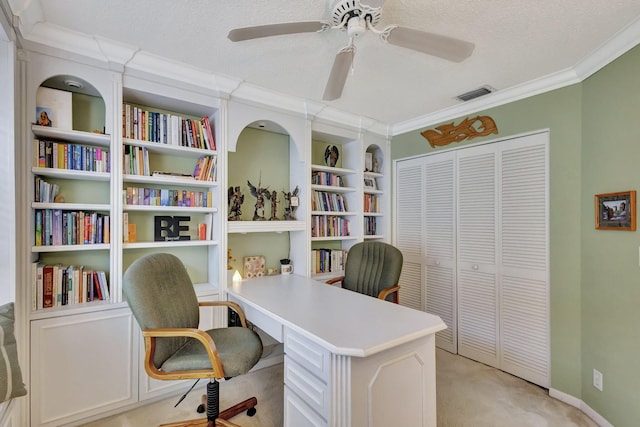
(73, 84)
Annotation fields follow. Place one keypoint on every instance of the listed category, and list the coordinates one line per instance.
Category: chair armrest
(151, 334)
(390, 290)
(334, 280)
(232, 305)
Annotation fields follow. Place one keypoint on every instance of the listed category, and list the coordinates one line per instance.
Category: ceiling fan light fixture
(356, 27)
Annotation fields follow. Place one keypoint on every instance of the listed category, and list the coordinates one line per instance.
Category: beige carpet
(472, 394)
(469, 394)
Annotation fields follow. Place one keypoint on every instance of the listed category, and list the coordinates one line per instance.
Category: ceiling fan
(357, 17)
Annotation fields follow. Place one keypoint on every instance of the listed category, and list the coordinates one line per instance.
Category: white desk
(350, 360)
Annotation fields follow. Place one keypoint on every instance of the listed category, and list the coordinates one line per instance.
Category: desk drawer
(264, 322)
(313, 391)
(308, 354)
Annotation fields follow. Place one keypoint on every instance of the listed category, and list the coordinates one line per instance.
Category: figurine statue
(235, 200)
(291, 200)
(259, 193)
(274, 205)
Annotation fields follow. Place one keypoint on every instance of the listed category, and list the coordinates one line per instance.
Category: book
(104, 284)
(47, 286)
(54, 108)
(131, 233)
(125, 227)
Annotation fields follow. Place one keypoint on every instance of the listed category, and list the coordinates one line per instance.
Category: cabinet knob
(475, 266)
(437, 262)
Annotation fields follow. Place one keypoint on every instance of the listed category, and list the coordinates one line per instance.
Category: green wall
(610, 271)
(259, 155)
(594, 274)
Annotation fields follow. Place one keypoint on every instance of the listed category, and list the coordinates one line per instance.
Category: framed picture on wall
(616, 211)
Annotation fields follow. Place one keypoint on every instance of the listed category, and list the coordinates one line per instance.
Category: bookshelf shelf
(159, 209)
(160, 148)
(72, 309)
(73, 136)
(334, 170)
(332, 213)
(72, 206)
(371, 191)
(167, 180)
(373, 236)
(373, 214)
(170, 244)
(71, 174)
(72, 248)
(264, 226)
(333, 238)
(332, 188)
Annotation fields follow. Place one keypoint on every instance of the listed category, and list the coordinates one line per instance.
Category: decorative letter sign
(167, 228)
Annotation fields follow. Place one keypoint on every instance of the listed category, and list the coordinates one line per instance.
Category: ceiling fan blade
(432, 44)
(339, 72)
(258, 31)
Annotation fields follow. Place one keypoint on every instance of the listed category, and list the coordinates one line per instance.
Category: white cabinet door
(524, 296)
(408, 233)
(439, 245)
(425, 233)
(476, 247)
(81, 365)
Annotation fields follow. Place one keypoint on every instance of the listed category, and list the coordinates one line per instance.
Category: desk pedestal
(393, 387)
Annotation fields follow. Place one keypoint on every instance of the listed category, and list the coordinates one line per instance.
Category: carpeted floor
(469, 394)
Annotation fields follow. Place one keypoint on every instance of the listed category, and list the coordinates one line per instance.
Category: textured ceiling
(517, 41)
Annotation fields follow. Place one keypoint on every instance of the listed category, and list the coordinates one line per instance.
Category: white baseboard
(575, 402)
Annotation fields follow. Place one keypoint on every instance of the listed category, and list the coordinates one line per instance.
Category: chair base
(231, 412)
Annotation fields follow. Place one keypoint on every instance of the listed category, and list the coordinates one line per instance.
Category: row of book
(62, 155)
(370, 226)
(44, 192)
(328, 260)
(135, 160)
(57, 285)
(144, 196)
(328, 202)
(205, 169)
(55, 227)
(327, 178)
(329, 226)
(171, 129)
(371, 203)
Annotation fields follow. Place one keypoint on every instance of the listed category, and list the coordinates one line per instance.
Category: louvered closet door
(408, 231)
(439, 245)
(476, 270)
(524, 296)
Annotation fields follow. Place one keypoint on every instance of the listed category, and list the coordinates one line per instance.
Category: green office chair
(372, 268)
(163, 301)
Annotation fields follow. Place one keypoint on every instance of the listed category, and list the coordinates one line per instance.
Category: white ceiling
(516, 42)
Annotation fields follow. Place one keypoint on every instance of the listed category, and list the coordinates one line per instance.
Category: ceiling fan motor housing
(354, 16)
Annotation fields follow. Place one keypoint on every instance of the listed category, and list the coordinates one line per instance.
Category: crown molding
(618, 45)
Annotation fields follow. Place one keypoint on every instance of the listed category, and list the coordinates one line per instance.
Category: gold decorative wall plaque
(467, 129)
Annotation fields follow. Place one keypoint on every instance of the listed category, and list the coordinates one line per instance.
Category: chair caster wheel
(251, 412)
(200, 409)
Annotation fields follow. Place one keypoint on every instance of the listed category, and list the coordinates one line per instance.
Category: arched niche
(73, 102)
(92, 90)
(262, 158)
(242, 116)
(374, 158)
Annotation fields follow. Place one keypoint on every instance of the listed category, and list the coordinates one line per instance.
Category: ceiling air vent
(476, 93)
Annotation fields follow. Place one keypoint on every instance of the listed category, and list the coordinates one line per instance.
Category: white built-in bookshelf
(129, 183)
